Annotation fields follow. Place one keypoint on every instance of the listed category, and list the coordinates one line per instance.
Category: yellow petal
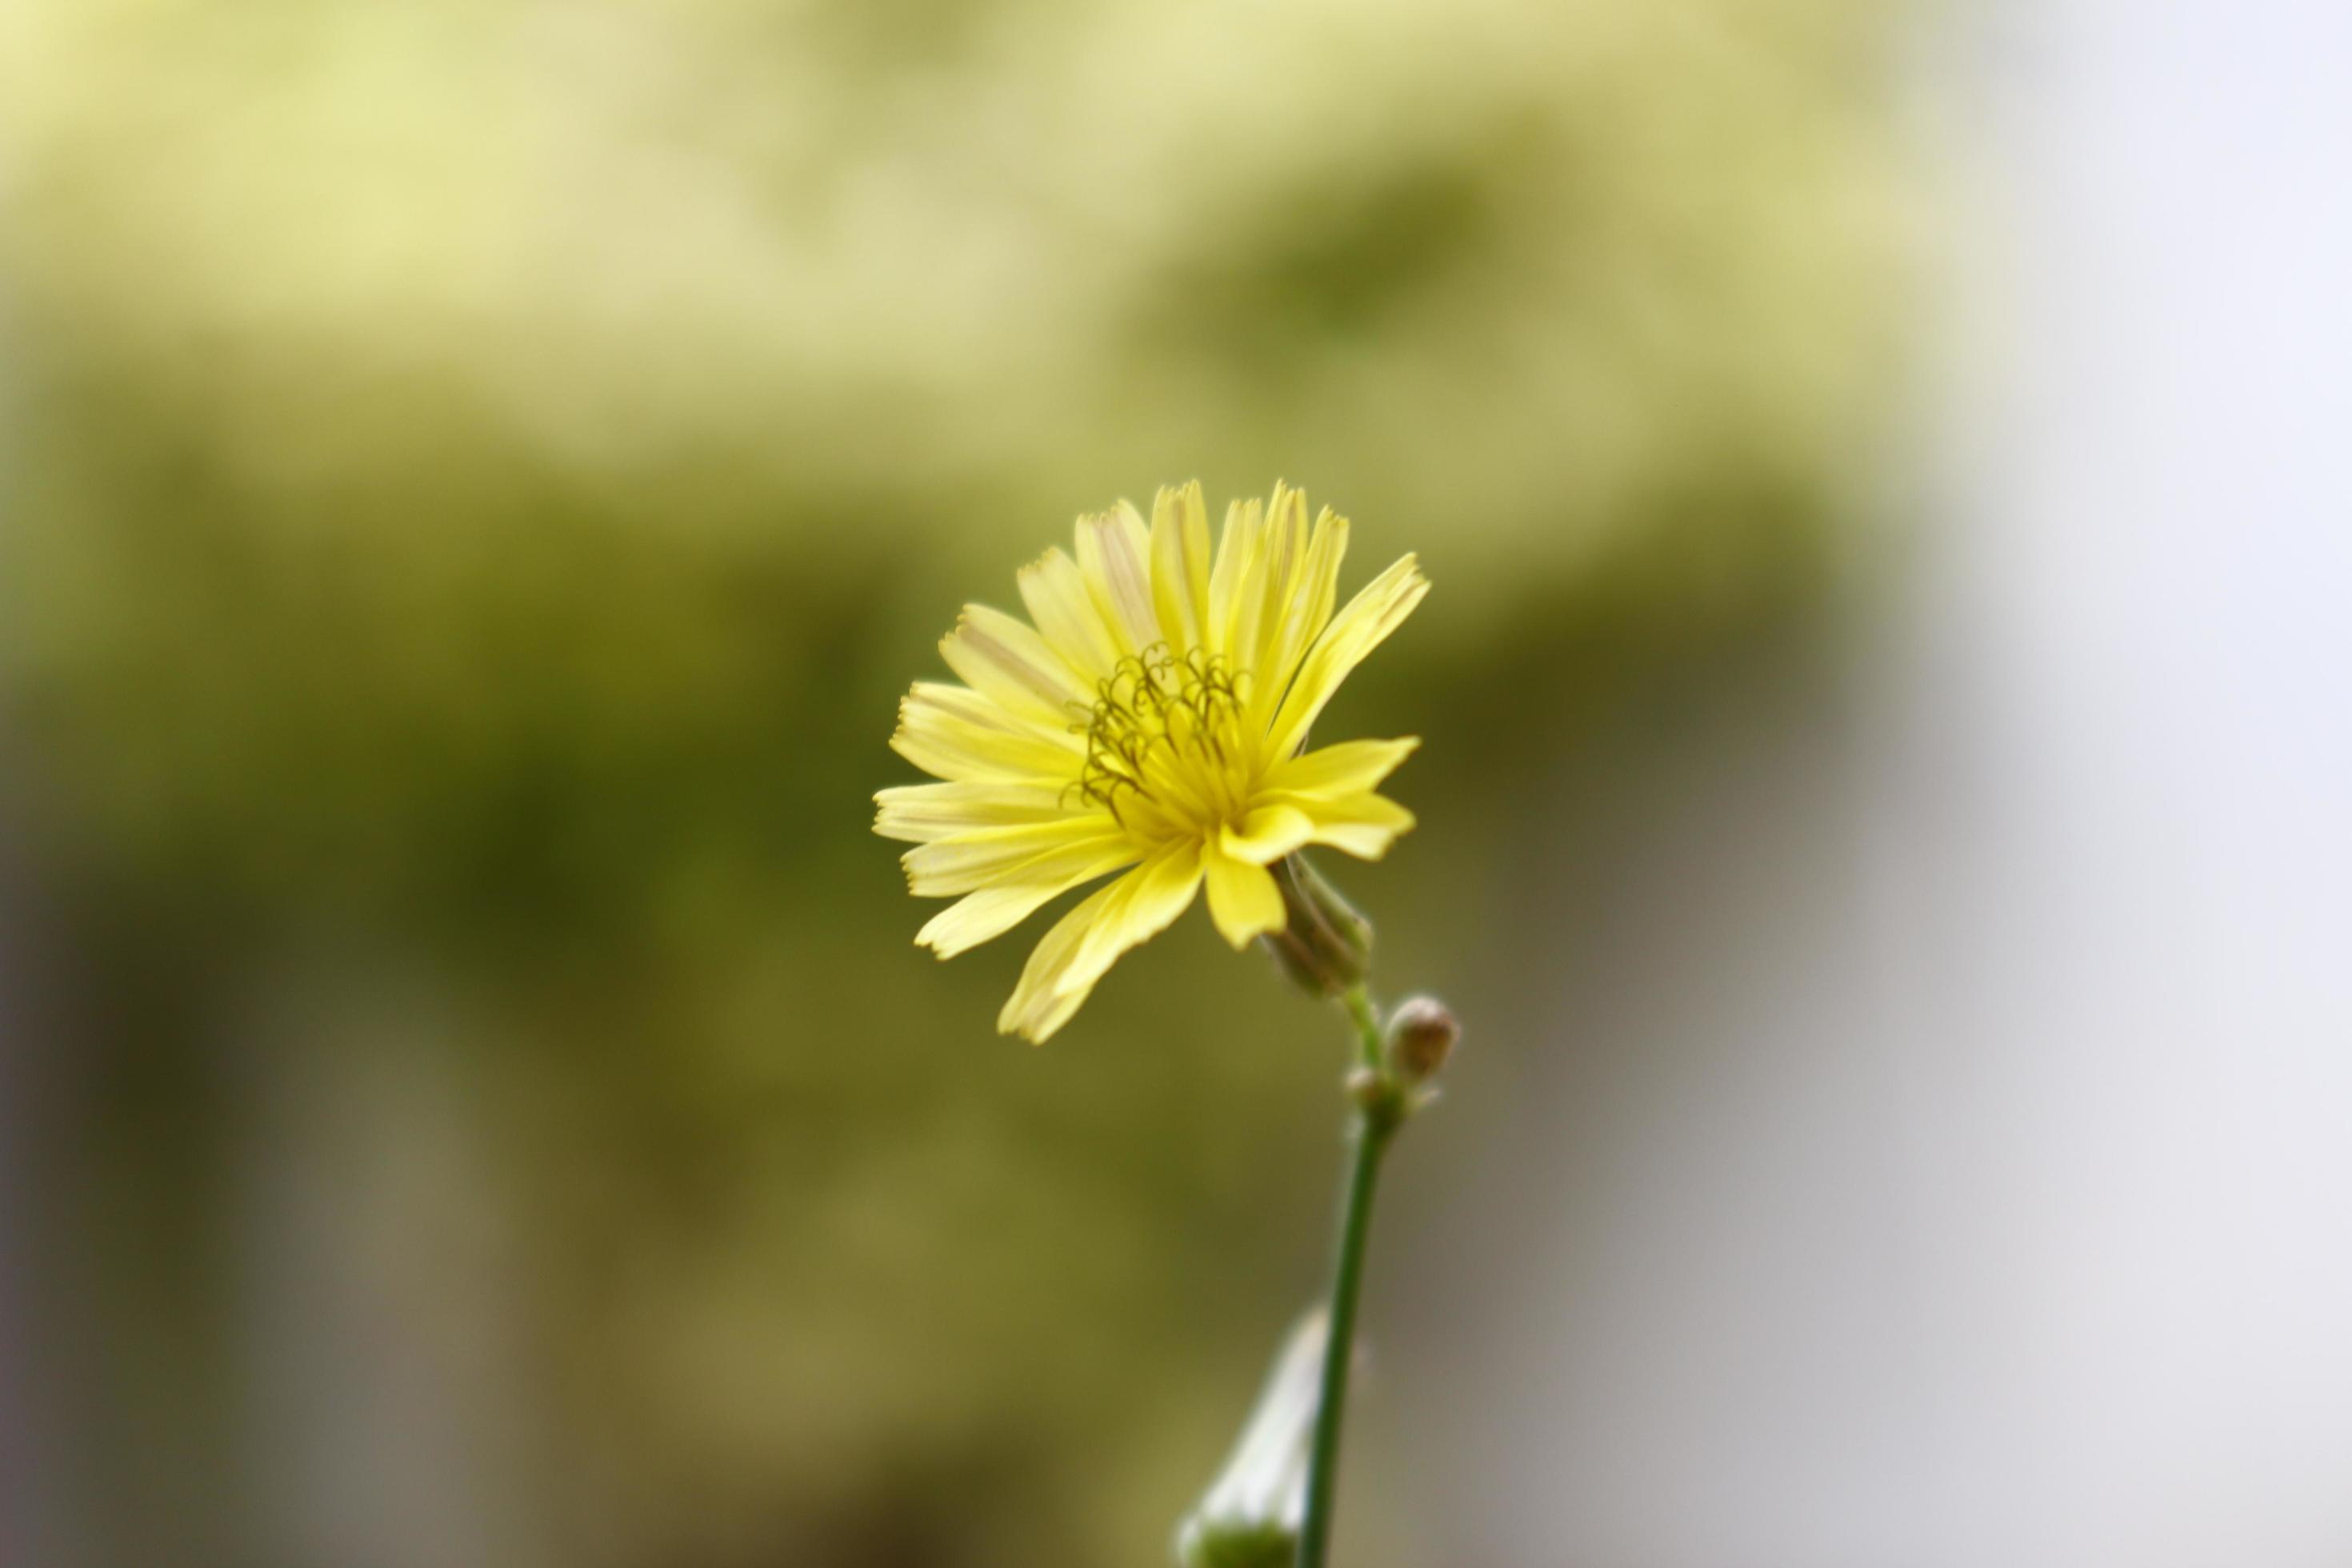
(1268, 834)
(921, 813)
(1269, 599)
(1179, 566)
(1229, 578)
(1035, 1009)
(1056, 592)
(1010, 663)
(953, 733)
(990, 911)
(1242, 898)
(1363, 825)
(1159, 890)
(1352, 767)
(1353, 633)
(1305, 610)
(1031, 852)
(1084, 943)
(1115, 557)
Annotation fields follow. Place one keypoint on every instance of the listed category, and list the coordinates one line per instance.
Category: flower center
(1166, 746)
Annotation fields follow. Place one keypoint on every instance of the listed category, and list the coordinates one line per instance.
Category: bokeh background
(475, 478)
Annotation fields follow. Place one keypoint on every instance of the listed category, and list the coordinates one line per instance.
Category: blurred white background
(1955, 1163)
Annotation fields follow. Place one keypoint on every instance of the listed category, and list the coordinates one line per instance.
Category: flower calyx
(1325, 945)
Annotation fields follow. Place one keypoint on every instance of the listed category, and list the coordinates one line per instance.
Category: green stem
(1376, 1122)
(1367, 1027)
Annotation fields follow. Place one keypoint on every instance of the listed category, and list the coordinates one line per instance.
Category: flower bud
(1205, 1543)
(1421, 1034)
(1324, 945)
(1252, 1513)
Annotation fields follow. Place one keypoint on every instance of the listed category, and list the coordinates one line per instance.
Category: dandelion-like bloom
(1152, 720)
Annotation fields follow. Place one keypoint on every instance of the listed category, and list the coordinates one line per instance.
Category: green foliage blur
(474, 481)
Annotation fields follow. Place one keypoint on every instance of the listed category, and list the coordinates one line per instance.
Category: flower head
(1150, 718)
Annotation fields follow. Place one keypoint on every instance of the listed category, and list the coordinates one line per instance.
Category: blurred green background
(477, 477)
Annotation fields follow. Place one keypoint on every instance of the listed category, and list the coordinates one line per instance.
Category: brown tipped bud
(1324, 945)
(1421, 1034)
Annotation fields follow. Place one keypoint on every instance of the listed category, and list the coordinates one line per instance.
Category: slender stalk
(1377, 1118)
(1367, 1027)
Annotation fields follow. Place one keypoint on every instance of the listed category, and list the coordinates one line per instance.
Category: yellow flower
(1151, 714)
